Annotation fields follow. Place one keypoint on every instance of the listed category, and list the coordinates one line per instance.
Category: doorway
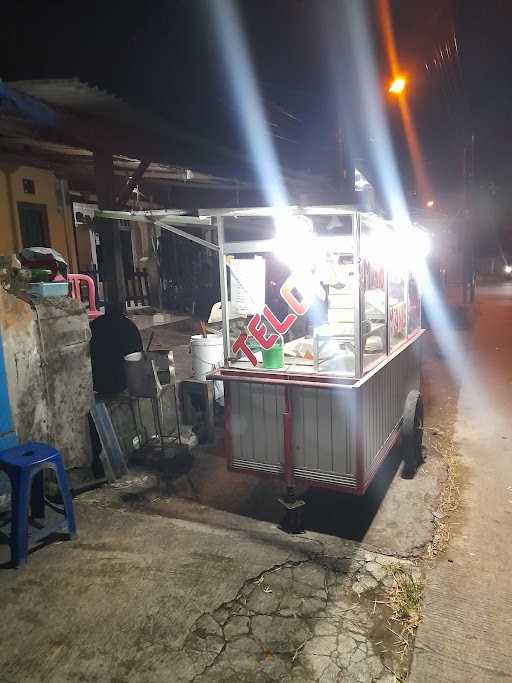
(34, 225)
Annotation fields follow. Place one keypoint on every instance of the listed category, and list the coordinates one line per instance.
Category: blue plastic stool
(25, 465)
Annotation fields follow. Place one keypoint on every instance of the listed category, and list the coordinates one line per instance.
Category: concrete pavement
(142, 598)
(162, 587)
(466, 633)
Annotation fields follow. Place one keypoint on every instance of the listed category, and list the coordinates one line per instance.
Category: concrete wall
(46, 349)
(23, 368)
(48, 193)
(64, 335)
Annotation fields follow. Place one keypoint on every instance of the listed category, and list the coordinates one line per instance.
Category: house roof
(28, 151)
(61, 122)
(86, 116)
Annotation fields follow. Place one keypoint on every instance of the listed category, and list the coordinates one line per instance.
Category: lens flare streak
(247, 99)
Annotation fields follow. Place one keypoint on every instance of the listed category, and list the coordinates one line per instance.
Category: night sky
(162, 55)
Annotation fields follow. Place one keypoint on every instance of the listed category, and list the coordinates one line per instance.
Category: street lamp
(398, 85)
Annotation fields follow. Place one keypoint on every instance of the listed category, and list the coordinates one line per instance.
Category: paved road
(466, 634)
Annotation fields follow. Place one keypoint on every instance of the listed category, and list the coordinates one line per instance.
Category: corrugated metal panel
(383, 400)
(256, 425)
(332, 478)
(323, 422)
(257, 466)
(323, 437)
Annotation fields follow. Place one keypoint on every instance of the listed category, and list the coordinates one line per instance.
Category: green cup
(273, 359)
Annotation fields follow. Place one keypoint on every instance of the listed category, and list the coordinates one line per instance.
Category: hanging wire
(445, 72)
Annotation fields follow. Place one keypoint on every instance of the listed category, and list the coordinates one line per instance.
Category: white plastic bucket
(207, 354)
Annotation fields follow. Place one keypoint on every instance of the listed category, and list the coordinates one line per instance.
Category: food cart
(321, 324)
(344, 314)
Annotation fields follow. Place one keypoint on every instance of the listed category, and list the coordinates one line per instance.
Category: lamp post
(397, 87)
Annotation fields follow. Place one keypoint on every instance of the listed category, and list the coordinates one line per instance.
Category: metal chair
(149, 374)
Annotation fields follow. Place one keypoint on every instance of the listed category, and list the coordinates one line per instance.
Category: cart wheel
(412, 433)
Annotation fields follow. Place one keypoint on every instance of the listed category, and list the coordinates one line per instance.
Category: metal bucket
(147, 371)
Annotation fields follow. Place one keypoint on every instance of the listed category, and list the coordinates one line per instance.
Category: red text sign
(259, 330)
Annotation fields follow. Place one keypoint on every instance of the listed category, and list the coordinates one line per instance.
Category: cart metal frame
(320, 429)
(369, 407)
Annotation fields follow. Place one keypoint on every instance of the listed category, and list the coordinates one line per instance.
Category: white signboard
(247, 286)
(84, 213)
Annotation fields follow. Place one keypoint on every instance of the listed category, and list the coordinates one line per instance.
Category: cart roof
(327, 210)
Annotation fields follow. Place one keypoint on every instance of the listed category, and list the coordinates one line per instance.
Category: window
(28, 186)
(33, 225)
(373, 297)
(397, 308)
(294, 310)
(413, 307)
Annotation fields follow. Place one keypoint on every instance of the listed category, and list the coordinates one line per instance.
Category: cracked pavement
(303, 621)
(163, 590)
(141, 598)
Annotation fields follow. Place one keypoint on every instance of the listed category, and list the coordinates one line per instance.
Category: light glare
(294, 242)
(247, 100)
(398, 85)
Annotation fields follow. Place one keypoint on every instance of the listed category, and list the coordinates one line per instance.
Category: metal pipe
(177, 412)
(152, 216)
(156, 411)
(406, 298)
(325, 210)
(223, 289)
(278, 382)
(287, 439)
(386, 306)
(186, 235)
(358, 296)
(248, 247)
(183, 220)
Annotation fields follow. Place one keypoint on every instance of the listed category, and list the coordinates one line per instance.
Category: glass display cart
(321, 325)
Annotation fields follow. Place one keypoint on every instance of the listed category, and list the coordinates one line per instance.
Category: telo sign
(259, 330)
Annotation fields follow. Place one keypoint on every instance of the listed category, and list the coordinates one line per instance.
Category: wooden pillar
(110, 237)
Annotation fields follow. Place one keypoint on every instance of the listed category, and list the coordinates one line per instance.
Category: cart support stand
(293, 518)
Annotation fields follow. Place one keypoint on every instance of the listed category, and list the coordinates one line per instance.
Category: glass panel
(292, 307)
(413, 306)
(397, 308)
(373, 292)
(334, 343)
